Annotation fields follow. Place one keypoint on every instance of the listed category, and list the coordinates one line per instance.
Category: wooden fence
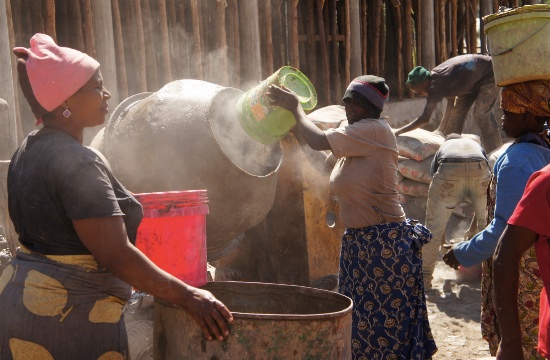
(144, 44)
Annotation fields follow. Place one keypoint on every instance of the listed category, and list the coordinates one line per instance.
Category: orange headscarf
(530, 96)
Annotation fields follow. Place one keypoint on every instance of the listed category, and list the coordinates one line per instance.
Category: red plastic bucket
(172, 233)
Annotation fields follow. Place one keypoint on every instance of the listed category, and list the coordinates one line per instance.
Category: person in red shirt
(528, 225)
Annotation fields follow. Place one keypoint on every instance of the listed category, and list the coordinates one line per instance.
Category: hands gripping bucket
(265, 123)
(172, 233)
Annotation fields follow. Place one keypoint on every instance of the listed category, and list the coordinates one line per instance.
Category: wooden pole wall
(9, 129)
(234, 42)
(355, 39)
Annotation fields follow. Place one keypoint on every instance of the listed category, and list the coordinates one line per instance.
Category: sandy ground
(454, 314)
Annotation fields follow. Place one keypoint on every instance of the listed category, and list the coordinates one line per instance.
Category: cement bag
(399, 177)
(418, 144)
(328, 117)
(414, 207)
(416, 170)
(474, 137)
(413, 188)
(495, 154)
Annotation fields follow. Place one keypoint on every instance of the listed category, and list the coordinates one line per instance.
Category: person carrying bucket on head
(388, 284)
(526, 111)
(465, 80)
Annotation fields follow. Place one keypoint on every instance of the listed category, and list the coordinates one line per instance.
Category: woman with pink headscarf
(62, 295)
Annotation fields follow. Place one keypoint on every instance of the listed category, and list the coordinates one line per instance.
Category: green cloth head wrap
(417, 75)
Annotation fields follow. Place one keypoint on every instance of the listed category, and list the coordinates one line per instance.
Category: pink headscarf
(55, 72)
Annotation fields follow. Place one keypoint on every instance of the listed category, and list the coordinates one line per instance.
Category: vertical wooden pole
(485, 8)
(408, 43)
(183, 43)
(293, 42)
(122, 80)
(325, 71)
(75, 25)
(454, 26)
(376, 26)
(10, 120)
(49, 18)
(419, 32)
(165, 66)
(9, 132)
(150, 46)
(221, 68)
(36, 16)
(61, 22)
(473, 26)
(336, 85)
(383, 37)
(173, 44)
(89, 41)
(311, 48)
(396, 5)
(347, 43)
(250, 45)
(364, 36)
(140, 47)
(354, 15)
(442, 32)
(16, 21)
(266, 33)
(428, 36)
(195, 15)
(233, 44)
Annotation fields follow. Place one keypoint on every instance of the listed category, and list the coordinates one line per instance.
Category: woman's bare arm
(107, 240)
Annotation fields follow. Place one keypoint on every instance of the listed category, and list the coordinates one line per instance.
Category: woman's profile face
(354, 110)
(88, 105)
(514, 125)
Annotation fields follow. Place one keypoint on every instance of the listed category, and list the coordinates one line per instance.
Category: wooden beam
(454, 27)
(8, 123)
(233, 43)
(150, 46)
(140, 47)
(294, 52)
(354, 16)
(75, 26)
(197, 41)
(48, 9)
(165, 73)
(408, 43)
(122, 80)
(325, 71)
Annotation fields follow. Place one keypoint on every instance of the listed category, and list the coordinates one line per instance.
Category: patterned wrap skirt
(381, 271)
(61, 307)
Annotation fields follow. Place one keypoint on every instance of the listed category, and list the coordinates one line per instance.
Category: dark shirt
(460, 75)
(52, 180)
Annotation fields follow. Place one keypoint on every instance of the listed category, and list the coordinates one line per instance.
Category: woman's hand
(450, 259)
(107, 240)
(210, 313)
(284, 98)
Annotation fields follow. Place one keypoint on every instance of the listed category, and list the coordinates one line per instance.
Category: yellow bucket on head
(265, 123)
(517, 40)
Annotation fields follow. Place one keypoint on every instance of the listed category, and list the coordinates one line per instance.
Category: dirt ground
(454, 314)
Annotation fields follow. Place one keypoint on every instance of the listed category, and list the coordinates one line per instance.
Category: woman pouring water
(380, 260)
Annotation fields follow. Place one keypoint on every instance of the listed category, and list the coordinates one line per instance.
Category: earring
(67, 112)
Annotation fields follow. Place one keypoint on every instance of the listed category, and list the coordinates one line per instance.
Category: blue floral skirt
(381, 271)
